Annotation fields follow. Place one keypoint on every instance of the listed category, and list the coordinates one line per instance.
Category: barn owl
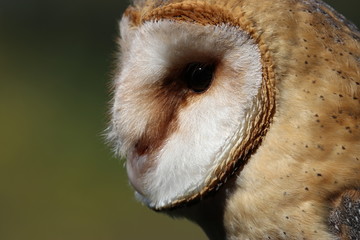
(242, 116)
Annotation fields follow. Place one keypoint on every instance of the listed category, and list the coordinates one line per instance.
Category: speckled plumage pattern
(312, 149)
(306, 157)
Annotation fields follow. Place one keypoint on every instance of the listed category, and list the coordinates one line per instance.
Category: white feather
(207, 126)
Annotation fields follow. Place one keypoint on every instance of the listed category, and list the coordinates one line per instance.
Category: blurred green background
(58, 180)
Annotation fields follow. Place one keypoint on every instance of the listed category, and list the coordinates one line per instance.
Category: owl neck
(208, 213)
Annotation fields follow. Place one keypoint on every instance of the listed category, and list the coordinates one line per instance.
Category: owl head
(193, 98)
(262, 93)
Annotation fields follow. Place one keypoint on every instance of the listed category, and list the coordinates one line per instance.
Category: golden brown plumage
(302, 154)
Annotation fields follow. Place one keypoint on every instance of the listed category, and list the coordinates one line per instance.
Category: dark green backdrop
(58, 181)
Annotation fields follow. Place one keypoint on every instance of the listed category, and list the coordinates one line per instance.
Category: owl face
(187, 94)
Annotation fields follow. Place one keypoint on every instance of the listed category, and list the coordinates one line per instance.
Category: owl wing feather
(344, 218)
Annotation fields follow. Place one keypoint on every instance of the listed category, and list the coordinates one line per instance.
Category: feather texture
(275, 137)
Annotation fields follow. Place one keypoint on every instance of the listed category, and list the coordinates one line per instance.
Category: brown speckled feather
(313, 147)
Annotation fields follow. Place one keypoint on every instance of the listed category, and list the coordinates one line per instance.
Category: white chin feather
(208, 127)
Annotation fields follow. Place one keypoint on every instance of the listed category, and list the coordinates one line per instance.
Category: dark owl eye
(199, 76)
